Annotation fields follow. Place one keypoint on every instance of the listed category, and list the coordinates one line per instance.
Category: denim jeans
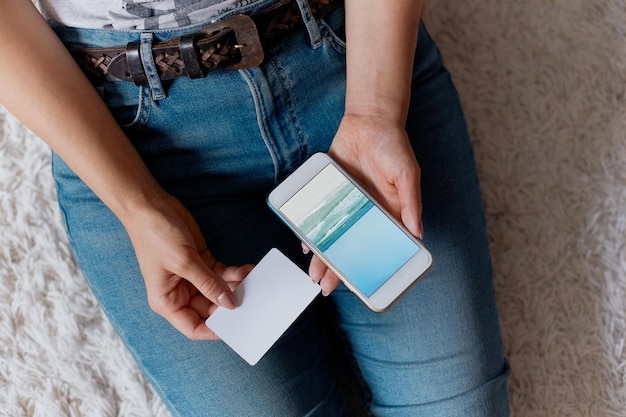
(219, 144)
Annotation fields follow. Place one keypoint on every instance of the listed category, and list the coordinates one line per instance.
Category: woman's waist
(234, 40)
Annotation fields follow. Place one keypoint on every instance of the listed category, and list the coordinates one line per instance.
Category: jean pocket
(333, 29)
(127, 102)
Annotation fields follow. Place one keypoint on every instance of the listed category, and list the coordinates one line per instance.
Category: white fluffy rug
(542, 82)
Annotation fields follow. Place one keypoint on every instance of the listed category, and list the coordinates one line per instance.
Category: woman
(162, 171)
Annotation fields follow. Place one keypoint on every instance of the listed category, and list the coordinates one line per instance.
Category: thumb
(198, 272)
(410, 198)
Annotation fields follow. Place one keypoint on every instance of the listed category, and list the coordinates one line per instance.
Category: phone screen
(365, 245)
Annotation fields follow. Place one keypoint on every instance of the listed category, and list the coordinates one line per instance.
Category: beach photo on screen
(356, 236)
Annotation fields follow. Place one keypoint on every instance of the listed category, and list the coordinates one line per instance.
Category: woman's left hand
(377, 153)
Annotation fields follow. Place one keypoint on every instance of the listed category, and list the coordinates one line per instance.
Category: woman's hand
(184, 282)
(378, 154)
(371, 142)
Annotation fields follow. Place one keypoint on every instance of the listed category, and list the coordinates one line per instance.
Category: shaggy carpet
(542, 83)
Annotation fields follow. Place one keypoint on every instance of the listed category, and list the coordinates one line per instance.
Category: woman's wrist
(136, 198)
(380, 61)
(388, 109)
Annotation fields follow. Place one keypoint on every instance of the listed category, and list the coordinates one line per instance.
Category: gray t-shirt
(134, 14)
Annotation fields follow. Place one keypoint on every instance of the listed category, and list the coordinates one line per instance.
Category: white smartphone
(372, 253)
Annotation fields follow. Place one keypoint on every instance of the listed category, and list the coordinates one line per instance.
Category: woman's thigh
(213, 143)
(438, 351)
(203, 378)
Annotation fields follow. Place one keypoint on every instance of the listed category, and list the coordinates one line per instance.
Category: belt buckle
(248, 41)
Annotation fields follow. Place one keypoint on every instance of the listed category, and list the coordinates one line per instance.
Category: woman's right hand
(184, 282)
(58, 103)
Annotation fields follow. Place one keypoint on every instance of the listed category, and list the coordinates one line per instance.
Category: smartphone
(368, 250)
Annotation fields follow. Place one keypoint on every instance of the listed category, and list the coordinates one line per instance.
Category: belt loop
(310, 23)
(151, 74)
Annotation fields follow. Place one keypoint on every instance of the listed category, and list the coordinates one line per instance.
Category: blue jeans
(219, 144)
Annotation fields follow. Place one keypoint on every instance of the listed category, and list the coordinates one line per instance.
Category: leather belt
(235, 42)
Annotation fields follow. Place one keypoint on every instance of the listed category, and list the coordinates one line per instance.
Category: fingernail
(226, 300)
(315, 278)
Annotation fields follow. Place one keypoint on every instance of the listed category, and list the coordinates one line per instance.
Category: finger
(184, 307)
(191, 324)
(317, 269)
(320, 274)
(305, 248)
(200, 304)
(233, 275)
(410, 199)
(329, 283)
(198, 272)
